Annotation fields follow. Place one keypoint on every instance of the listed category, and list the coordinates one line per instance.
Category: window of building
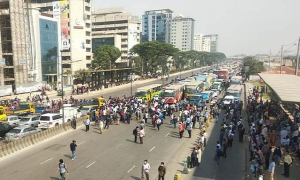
(87, 8)
(88, 57)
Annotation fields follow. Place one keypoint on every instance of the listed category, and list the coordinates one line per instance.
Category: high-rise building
(75, 35)
(210, 43)
(156, 25)
(198, 42)
(182, 33)
(15, 57)
(116, 27)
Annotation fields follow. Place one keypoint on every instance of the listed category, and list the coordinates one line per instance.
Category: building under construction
(15, 46)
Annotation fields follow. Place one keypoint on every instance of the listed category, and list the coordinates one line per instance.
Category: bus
(207, 79)
(173, 93)
(194, 87)
(236, 80)
(223, 74)
(235, 91)
(148, 92)
(195, 99)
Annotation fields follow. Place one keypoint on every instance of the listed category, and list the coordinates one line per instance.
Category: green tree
(254, 65)
(149, 52)
(105, 57)
(82, 74)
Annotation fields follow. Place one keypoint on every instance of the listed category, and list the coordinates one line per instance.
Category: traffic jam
(19, 119)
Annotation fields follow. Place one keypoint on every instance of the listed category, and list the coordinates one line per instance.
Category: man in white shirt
(283, 134)
(205, 137)
(145, 170)
(271, 169)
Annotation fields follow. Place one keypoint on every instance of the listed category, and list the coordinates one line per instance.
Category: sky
(244, 26)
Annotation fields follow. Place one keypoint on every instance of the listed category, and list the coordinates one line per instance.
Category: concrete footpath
(53, 94)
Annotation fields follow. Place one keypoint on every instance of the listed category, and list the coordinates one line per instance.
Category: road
(112, 155)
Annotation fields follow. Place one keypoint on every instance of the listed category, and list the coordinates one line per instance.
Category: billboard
(56, 9)
(64, 24)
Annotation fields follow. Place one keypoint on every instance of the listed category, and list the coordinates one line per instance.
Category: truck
(91, 103)
(70, 112)
(22, 110)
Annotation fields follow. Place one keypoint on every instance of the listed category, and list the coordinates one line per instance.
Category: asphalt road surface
(112, 155)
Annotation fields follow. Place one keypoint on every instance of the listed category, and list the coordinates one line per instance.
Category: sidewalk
(53, 94)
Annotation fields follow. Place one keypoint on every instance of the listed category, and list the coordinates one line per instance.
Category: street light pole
(297, 59)
(281, 59)
(62, 90)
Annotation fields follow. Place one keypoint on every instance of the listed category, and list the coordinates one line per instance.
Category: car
(227, 100)
(5, 128)
(50, 120)
(215, 93)
(20, 132)
(12, 120)
(29, 121)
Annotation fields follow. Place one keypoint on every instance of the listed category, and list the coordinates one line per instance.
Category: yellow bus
(148, 92)
(194, 88)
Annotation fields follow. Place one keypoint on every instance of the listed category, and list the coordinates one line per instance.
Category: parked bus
(194, 87)
(148, 92)
(173, 94)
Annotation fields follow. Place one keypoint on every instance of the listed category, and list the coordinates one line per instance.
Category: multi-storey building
(210, 43)
(156, 25)
(15, 57)
(115, 27)
(75, 26)
(198, 42)
(182, 33)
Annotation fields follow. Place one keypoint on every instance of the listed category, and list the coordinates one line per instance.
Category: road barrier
(14, 146)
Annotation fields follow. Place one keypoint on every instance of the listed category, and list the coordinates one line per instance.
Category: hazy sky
(244, 26)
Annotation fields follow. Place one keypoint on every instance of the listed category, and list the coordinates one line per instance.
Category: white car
(50, 120)
(215, 93)
(12, 120)
(227, 100)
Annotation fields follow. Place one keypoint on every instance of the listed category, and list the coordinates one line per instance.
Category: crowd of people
(272, 135)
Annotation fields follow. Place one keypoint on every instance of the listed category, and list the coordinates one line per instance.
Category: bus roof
(195, 83)
(145, 88)
(237, 77)
(175, 86)
(235, 87)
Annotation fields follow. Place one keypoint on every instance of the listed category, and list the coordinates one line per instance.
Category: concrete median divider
(14, 146)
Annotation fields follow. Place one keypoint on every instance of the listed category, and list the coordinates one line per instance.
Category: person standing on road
(158, 123)
(73, 146)
(135, 133)
(87, 124)
(181, 129)
(101, 124)
(271, 169)
(107, 121)
(62, 168)
(73, 122)
(189, 129)
(162, 171)
(287, 163)
(217, 156)
(141, 135)
(145, 170)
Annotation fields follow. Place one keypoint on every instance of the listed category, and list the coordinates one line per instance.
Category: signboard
(56, 10)
(64, 24)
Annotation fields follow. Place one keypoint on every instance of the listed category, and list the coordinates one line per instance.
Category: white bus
(235, 91)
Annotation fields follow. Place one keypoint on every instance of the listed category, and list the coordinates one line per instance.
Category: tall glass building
(49, 49)
(156, 25)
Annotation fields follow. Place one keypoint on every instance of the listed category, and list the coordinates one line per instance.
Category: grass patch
(267, 96)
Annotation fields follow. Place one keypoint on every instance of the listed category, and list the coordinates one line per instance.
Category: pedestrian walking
(101, 124)
(135, 133)
(193, 158)
(145, 170)
(181, 129)
(158, 123)
(73, 122)
(87, 124)
(271, 169)
(162, 171)
(189, 129)
(107, 122)
(217, 156)
(287, 163)
(62, 169)
(73, 147)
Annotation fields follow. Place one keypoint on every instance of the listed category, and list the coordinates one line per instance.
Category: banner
(56, 10)
(64, 24)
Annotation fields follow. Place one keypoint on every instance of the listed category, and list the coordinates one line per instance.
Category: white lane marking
(119, 145)
(91, 164)
(131, 169)
(167, 135)
(46, 161)
(81, 143)
(152, 149)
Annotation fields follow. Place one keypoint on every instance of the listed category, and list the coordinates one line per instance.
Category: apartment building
(156, 25)
(182, 33)
(210, 43)
(116, 27)
(198, 42)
